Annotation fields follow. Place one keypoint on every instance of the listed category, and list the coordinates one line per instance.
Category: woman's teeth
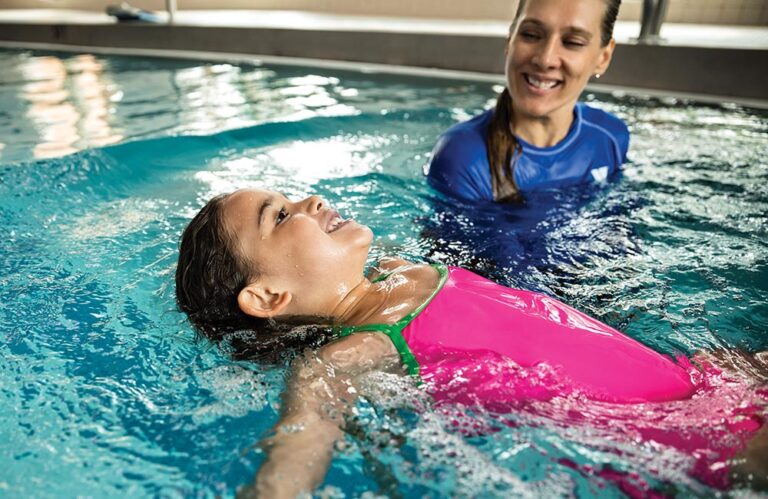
(542, 84)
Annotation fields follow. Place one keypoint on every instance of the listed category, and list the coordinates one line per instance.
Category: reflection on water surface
(114, 395)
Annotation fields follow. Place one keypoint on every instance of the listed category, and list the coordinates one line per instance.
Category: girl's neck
(360, 304)
(544, 131)
(390, 300)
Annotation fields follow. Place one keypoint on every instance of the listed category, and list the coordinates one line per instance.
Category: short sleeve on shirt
(613, 128)
(459, 165)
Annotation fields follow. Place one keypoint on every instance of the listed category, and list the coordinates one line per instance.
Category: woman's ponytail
(503, 151)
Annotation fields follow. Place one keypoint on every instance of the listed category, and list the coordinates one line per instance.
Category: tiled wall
(737, 12)
(753, 12)
(743, 12)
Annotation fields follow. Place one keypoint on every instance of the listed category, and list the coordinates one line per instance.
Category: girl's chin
(366, 235)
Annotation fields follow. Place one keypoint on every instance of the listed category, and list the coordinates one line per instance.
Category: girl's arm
(320, 392)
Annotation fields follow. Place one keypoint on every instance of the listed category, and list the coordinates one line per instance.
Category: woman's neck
(544, 131)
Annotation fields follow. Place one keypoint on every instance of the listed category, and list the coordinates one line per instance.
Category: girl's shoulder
(392, 263)
(388, 266)
(357, 353)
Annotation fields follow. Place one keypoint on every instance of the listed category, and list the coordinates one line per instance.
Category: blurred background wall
(724, 12)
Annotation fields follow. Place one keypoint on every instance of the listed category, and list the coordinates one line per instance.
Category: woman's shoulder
(599, 118)
(608, 125)
(459, 164)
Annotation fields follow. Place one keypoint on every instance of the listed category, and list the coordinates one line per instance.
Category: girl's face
(553, 50)
(304, 248)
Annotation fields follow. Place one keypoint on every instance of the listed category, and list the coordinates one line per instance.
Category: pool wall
(725, 12)
(705, 72)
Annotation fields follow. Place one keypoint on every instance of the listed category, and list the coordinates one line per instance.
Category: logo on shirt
(599, 174)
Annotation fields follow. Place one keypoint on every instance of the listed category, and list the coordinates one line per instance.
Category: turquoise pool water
(107, 392)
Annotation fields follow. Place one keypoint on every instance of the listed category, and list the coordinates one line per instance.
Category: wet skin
(309, 261)
(306, 260)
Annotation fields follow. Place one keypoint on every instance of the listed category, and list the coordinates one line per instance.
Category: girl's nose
(313, 204)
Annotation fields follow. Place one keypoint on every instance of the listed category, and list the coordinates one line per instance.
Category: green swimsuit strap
(395, 331)
(381, 277)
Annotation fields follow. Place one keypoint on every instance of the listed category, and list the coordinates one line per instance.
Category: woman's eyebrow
(535, 22)
(575, 30)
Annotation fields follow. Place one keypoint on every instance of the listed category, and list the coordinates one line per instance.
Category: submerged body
(470, 340)
(469, 321)
(477, 343)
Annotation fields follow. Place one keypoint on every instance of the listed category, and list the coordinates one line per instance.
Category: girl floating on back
(255, 261)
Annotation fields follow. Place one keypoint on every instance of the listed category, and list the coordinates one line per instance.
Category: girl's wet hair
(502, 146)
(209, 276)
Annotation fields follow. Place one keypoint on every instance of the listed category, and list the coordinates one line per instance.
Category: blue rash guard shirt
(594, 149)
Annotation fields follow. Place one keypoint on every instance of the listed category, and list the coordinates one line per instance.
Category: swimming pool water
(107, 392)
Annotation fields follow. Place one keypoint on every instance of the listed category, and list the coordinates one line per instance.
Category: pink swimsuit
(476, 342)
(470, 320)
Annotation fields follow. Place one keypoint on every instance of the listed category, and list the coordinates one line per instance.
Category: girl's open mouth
(336, 222)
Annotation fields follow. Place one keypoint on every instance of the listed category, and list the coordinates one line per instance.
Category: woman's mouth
(540, 83)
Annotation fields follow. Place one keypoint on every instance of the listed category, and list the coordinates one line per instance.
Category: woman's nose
(546, 55)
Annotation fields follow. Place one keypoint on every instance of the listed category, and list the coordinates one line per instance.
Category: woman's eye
(527, 35)
(574, 43)
(281, 216)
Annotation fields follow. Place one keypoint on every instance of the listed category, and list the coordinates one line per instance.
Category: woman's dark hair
(209, 276)
(502, 146)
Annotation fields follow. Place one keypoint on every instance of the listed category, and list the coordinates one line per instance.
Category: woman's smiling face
(303, 247)
(554, 48)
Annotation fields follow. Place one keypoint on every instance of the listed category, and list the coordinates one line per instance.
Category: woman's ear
(258, 301)
(604, 59)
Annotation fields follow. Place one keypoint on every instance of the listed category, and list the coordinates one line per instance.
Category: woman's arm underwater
(320, 393)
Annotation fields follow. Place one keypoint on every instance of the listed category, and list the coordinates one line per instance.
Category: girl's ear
(257, 301)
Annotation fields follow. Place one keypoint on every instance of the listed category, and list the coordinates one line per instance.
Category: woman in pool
(538, 136)
(252, 259)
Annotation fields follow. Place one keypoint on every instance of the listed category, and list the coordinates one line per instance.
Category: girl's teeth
(335, 224)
